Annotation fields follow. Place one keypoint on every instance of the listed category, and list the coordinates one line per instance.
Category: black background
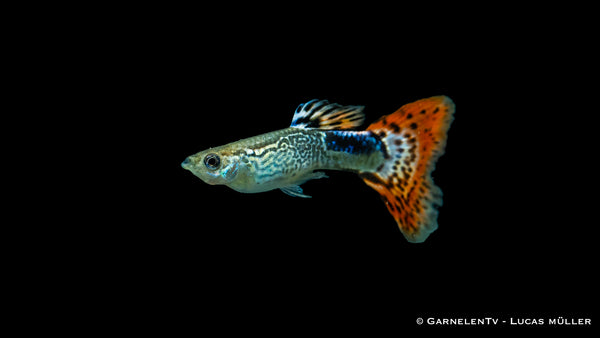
(511, 242)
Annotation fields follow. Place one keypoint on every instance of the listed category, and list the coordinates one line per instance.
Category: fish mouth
(208, 178)
(186, 164)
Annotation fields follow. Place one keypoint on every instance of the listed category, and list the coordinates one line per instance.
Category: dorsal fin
(320, 114)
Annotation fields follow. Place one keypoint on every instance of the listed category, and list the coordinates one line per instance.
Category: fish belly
(289, 159)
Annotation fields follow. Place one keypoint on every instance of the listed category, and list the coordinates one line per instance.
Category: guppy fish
(395, 156)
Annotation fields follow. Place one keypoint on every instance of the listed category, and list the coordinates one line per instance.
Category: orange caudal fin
(415, 137)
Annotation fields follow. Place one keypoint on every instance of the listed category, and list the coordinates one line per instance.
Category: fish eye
(212, 161)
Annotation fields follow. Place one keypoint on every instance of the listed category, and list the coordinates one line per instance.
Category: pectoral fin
(295, 191)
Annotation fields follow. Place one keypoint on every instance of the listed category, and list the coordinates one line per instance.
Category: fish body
(395, 156)
(289, 157)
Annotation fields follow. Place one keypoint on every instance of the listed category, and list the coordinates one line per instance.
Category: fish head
(213, 166)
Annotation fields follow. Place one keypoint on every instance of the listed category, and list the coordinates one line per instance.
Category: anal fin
(295, 191)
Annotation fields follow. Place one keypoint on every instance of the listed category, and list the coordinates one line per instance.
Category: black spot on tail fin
(415, 137)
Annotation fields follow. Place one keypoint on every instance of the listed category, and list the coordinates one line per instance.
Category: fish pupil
(212, 161)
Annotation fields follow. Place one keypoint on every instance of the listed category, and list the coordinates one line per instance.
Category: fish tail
(414, 137)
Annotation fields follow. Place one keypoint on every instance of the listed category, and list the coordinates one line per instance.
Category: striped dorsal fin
(320, 114)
